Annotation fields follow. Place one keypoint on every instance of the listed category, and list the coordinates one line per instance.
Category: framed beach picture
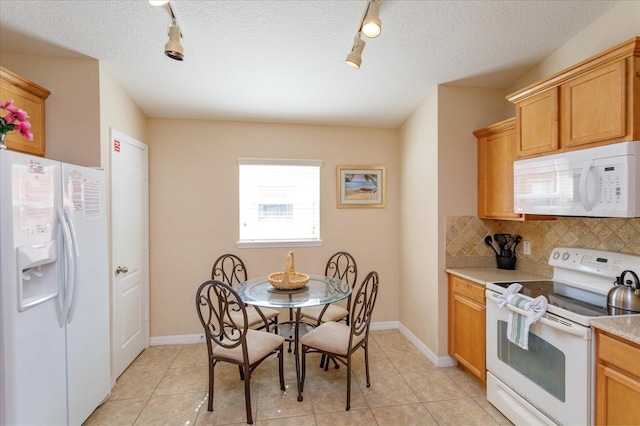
(361, 186)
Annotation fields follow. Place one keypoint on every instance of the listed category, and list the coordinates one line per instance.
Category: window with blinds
(279, 202)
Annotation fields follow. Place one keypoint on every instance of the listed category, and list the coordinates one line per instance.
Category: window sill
(278, 243)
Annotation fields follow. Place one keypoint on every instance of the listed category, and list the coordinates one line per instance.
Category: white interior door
(130, 250)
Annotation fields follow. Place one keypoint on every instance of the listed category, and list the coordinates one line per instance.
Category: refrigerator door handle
(68, 281)
(74, 270)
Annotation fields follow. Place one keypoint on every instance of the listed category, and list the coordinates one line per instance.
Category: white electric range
(553, 381)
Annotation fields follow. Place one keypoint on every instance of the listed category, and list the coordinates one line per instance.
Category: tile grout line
(378, 355)
(156, 387)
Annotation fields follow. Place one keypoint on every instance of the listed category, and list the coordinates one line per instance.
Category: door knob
(122, 270)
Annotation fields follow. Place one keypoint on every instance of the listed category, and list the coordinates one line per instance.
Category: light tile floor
(167, 385)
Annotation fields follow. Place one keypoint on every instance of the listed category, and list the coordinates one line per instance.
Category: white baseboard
(384, 325)
(445, 361)
(182, 339)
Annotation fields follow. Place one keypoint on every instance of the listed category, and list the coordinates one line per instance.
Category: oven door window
(544, 364)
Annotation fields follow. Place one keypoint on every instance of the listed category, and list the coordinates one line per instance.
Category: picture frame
(361, 186)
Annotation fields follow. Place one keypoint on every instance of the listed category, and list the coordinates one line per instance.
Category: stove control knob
(556, 254)
(565, 255)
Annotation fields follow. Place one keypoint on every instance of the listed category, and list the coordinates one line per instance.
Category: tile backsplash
(466, 248)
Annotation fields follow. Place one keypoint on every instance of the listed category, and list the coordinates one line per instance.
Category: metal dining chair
(230, 339)
(230, 269)
(339, 341)
(341, 265)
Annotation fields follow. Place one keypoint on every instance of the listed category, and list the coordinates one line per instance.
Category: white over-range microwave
(593, 182)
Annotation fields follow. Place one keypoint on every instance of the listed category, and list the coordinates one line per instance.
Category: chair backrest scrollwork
(343, 266)
(363, 303)
(215, 303)
(229, 269)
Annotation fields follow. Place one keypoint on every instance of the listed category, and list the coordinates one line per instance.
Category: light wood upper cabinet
(595, 102)
(539, 124)
(29, 97)
(467, 319)
(617, 381)
(496, 153)
(594, 106)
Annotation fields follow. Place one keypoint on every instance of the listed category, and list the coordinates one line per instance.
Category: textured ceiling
(283, 61)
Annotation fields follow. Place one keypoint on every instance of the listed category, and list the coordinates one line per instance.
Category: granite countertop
(486, 274)
(624, 326)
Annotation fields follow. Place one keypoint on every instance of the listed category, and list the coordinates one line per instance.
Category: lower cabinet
(467, 320)
(617, 381)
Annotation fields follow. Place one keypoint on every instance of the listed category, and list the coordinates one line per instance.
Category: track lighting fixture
(173, 48)
(354, 58)
(370, 26)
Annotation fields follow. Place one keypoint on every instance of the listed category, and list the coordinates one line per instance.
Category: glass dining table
(320, 290)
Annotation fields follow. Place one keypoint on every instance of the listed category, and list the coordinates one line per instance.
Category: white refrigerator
(54, 322)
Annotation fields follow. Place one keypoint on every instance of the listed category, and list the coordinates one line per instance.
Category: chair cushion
(259, 344)
(331, 337)
(253, 317)
(333, 313)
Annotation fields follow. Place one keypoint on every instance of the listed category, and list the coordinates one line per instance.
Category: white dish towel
(517, 324)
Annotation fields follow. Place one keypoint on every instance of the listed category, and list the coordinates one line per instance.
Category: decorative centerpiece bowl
(289, 279)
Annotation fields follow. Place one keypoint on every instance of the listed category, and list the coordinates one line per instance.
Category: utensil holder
(506, 262)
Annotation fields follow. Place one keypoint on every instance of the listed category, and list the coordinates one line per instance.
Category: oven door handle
(584, 333)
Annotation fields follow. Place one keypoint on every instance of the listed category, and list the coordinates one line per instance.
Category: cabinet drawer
(468, 289)
(622, 355)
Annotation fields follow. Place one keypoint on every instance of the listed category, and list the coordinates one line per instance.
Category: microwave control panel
(611, 179)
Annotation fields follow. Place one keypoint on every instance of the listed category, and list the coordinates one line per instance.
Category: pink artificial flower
(17, 113)
(9, 118)
(24, 129)
(25, 125)
(27, 135)
(15, 119)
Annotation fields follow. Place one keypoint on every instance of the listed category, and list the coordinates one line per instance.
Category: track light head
(173, 48)
(354, 58)
(371, 24)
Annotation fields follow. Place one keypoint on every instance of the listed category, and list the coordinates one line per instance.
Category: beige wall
(117, 111)
(194, 208)
(460, 112)
(72, 109)
(439, 164)
(419, 223)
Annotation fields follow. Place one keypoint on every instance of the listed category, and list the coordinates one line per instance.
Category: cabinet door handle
(122, 270)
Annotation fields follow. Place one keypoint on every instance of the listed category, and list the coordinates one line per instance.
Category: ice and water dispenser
(37, 271)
